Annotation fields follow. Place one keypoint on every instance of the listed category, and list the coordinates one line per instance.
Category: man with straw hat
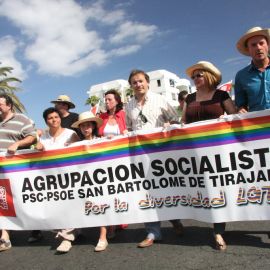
(63, 103)
(252, 83)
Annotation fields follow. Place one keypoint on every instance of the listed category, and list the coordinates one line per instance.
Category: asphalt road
(248, 248)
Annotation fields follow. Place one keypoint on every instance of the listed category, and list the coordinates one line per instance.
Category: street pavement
(248, 248)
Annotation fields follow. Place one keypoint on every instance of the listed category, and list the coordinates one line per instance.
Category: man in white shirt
(145, 111)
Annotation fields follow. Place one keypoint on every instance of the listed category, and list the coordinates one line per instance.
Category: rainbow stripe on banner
(189, 137)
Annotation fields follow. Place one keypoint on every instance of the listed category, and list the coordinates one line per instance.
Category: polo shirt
(252, 88)
(16, 128)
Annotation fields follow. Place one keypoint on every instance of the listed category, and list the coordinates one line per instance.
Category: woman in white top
(53, 138)
(56, 136)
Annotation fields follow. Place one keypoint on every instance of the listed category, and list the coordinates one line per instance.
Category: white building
(162, 82)
(168, 85)
(100, 89)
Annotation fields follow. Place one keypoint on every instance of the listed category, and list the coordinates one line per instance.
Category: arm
(27, 141)
(229, 106)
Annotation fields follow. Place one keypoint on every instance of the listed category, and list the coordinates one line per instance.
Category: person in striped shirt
(16, 132)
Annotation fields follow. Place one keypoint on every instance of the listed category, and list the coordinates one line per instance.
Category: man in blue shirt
(252, 83)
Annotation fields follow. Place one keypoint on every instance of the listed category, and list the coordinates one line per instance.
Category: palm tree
(6, 88)
(93, 100)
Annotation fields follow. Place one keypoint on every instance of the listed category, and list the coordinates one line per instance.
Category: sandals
(5, 244)
(220, 243)
(64, 247)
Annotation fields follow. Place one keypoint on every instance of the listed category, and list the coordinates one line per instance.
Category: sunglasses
(143, 117)
(199, 75)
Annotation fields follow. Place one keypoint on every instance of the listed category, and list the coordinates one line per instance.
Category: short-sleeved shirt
(207, 109)
(15, 129)
(156, 110)
(60, 141)
(252, 88)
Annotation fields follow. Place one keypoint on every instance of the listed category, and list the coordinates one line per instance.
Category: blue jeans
(154, 231)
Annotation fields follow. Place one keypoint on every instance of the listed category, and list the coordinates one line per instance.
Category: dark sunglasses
(143, 117)
(199, 75)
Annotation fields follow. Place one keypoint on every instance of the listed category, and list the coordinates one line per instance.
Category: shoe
(35, 236)
(220, 243)
(178, 228)
(5, 244)
(147, 242)
(64, 247)
(111, 232)
(101, 245)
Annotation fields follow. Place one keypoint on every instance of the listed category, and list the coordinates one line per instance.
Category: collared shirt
(156, 110)
(15, 129)
(252, 88)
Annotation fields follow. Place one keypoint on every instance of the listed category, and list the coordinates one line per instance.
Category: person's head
(52, 117)
(88, 123)
(139, 82)
(181, 98)
(255, 43)
(204, 74)
(113, 101)
(6, 103)
(63, 103)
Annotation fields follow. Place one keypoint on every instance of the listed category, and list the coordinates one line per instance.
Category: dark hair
(95, 129)
(49, 111)
(117, 97)
(182, 94)
(9, 100)
(138, 71)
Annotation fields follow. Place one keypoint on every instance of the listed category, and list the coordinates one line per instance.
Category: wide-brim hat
(255, 31)
(87, 117)
(65, 99)
(204, 65)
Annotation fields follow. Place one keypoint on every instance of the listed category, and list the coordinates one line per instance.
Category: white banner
(213, 171)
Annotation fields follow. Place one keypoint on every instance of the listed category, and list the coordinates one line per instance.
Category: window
(172, 83)
(158, 83)
(174, 96)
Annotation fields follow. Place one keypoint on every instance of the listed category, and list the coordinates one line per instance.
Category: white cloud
(236, 60)
(98, 13)
(135, 31)
(7, 57)
(60, 38)
(125, 50)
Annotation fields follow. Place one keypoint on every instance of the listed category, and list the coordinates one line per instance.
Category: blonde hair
(211, 80)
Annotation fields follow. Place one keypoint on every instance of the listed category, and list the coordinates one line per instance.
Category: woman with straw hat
(207, 103)
(89, 124)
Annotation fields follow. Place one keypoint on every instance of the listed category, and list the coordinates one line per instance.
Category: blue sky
(65, 46)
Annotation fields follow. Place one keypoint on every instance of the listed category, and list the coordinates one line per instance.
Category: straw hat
(64, 99)
(204, 65)
(87, 117)
(255, 31)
